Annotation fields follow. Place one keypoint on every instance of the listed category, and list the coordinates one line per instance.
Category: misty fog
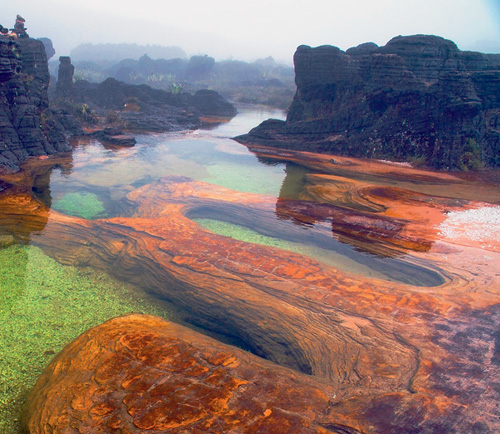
(226, 29)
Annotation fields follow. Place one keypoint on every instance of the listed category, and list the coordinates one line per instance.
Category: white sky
(257, 28)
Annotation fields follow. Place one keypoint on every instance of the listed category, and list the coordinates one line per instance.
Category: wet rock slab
(141, 374)
(392, 357)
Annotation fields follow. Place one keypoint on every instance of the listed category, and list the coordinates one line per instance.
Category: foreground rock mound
(419, 98)
(27, 126)
(141, 374)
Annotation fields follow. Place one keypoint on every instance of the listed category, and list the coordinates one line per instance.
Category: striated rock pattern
(27, 126)
(418, 98)
(391, 356)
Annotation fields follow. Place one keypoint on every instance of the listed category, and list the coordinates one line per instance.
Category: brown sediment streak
(381, 356)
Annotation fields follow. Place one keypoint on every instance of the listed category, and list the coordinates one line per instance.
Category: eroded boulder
(141, 374)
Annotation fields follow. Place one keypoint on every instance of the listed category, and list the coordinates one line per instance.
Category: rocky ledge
(140, 107)
(418, 99)
(134, 107)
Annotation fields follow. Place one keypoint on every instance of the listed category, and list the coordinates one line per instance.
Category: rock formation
(49, 47)
(391, 356)
(135, 107)
(154, 109)
(27, 125)
(418, 98)
(19, 28)
(64, 86)
(211, 103)
(114, 137)
(166, 378)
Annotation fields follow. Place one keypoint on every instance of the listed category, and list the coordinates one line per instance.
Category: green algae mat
(84, 204)
(43, 306)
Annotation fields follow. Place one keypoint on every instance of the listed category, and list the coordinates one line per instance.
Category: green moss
(84, 204)
(471, 158)
(43, 306)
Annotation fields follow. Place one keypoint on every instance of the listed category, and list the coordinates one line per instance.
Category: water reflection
(96, 182)
(41, 180)
(315, 240)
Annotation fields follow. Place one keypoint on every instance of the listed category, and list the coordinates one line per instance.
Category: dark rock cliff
(419, 98)
(27, 125)
(144, 108)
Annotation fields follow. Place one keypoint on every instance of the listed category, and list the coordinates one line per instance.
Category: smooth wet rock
(142, 374)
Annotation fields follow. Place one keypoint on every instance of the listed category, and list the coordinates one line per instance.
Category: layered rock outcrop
(144, 108)
(27, 126)
(418, 98)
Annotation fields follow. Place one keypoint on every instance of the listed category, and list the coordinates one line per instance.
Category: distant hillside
(261, 82)
(117, 52)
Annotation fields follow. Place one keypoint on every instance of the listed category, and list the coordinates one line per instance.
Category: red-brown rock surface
(398, 357)
(140, 373)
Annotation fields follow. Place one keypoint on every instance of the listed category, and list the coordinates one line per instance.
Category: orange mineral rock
(419, 353)
(141, 374)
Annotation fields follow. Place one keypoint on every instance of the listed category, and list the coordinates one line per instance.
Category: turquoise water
(98, 180)
(204, 155)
